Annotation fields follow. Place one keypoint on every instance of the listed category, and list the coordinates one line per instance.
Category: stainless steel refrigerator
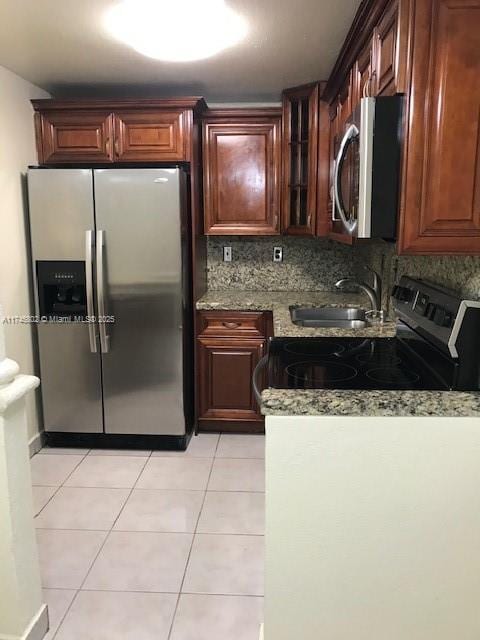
(111, 262)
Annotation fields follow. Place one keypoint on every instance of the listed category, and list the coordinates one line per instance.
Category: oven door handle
(261, 364)
(350, 133)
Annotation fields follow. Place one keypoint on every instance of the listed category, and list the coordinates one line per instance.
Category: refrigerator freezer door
(61, 211)
(139, 213)
(70, 379)
(61, 214)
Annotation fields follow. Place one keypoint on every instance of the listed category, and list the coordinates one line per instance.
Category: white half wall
(373, 528)
(17, 151)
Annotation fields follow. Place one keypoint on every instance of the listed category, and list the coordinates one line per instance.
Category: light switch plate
(227, 254)
(277, 254)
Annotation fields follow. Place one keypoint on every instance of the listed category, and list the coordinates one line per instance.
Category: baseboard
(37, 629)
(36, 443)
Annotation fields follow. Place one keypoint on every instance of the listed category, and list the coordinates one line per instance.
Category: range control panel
(436, 312)
(421, 299)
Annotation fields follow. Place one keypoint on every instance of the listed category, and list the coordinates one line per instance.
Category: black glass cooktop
(348, 363)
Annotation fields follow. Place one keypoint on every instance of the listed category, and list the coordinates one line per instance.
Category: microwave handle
(350, 133)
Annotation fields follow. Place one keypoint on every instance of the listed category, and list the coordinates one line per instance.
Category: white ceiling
(61, 46)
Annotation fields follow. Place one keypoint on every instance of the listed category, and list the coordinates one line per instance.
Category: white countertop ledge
(15, 390)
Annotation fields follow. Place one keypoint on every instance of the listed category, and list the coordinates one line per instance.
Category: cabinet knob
(231, 325)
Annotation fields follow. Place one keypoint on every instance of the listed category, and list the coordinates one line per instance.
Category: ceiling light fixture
(174, 30)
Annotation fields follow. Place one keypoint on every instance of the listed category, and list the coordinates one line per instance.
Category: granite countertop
(279, 302)
(333, 402)
(345, 402)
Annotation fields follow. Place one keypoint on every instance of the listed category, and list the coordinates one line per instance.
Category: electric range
(437, 347)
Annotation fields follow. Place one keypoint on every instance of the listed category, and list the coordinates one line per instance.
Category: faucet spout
(371, 294)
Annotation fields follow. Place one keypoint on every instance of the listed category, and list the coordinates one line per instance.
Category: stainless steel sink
(340, 317)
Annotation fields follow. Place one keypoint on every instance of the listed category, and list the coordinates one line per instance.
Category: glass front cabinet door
(300, 157)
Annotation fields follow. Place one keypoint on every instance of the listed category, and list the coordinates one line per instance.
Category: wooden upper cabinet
(241, 161)
(150, 135)
(441, 194)
(340, 110)
(103, 131)
(75, 136)
(300, 156)
(363, 74)
(323, 168)
(386, 69)
(344, 100)
(332, 152)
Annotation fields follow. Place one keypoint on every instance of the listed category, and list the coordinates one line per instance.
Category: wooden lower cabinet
(225, 367)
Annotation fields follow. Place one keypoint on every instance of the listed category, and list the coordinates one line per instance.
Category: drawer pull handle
(231, 325)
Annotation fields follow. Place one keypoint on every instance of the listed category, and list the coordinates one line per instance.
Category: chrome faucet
(377, 284)
(369, 291)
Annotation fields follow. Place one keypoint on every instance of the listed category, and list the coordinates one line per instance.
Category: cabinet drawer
(247, 324)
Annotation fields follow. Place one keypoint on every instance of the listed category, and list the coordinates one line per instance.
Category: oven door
(352, 180)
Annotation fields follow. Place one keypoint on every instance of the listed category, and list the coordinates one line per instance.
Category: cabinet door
(242, 178)
(300, 149)
(441, 192)
(337, 127)
(150, 136)
(344, 101)
(386, 52)
(75, 136)
(333, 147)
(363, 75)
(226, 368)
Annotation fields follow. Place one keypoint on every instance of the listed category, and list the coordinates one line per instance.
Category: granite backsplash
(309, 264)
(460, 273)
(315, 264)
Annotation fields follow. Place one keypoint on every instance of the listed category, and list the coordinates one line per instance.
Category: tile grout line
(76, 590)
(57, 488)
(191, 546)
(171, 593)
(149, 489)
(200, 533)
(101, 547)
(213, 457)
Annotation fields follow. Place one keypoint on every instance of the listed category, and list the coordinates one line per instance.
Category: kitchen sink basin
(340, 317)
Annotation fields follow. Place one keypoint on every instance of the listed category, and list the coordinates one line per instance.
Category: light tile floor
(136, 545)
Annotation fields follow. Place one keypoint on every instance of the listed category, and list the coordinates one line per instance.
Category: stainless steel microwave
(366, 174)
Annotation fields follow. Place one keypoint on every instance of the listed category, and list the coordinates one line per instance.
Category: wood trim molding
(240, 112)
(197, 103)
(361, 30)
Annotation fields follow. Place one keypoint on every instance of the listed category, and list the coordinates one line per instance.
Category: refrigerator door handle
(89, 287)
(104, 338)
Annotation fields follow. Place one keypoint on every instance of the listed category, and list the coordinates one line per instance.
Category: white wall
(373, 528)
(17, 151)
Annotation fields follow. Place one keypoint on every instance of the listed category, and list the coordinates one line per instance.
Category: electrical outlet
(277, 254)
(227, 254)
